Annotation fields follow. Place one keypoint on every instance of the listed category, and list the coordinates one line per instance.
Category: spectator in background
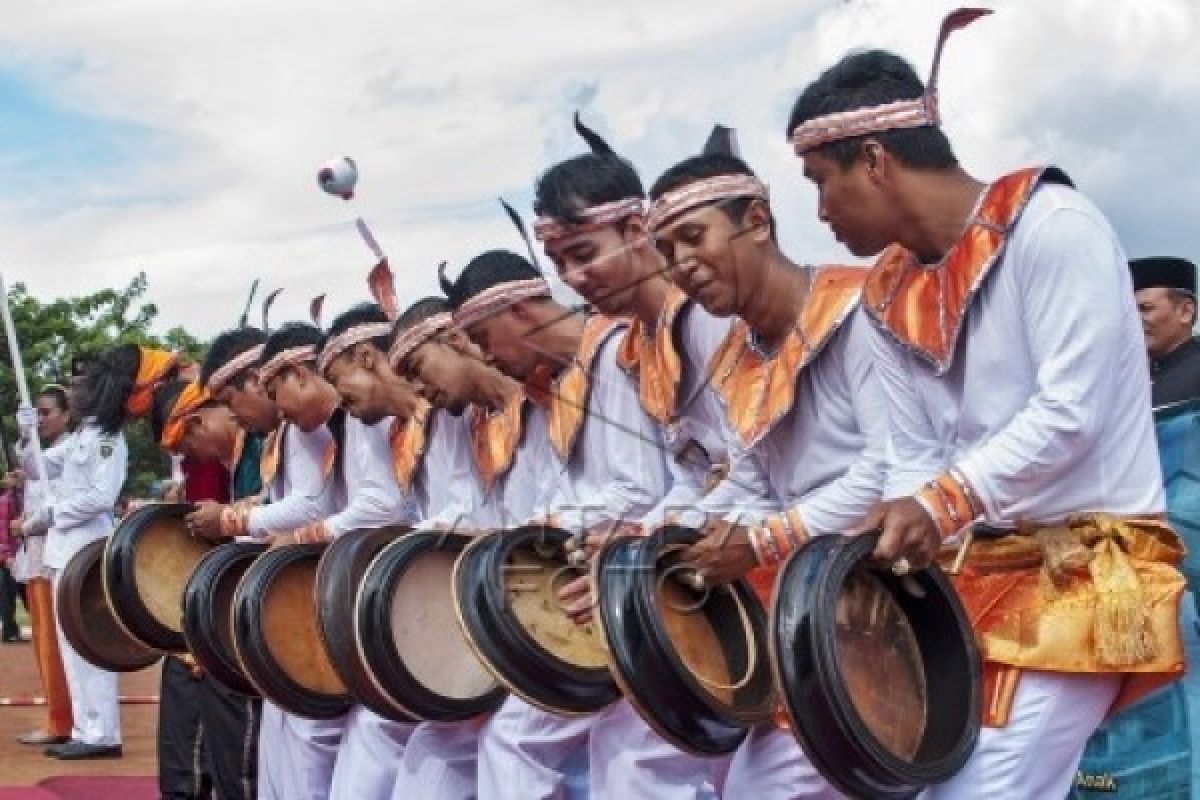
(10, 589)
(1165, 289)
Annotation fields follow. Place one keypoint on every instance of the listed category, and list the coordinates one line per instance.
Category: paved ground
(22, 765)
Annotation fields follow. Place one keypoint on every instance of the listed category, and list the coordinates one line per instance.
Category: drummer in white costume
(606, 467)
(805, 413)
(296, 756)
(591, 223)
(1010, 352)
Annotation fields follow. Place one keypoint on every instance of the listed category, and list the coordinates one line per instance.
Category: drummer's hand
(907, 531)
(723, 554)
(205, 521)
(280, 540)
(575, 599)
(602, 534)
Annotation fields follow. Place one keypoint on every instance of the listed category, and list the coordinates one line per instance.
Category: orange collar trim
(568, 400)
(269, 461)
(407, 438)
(758, 391)
(495, 437)
(923, 308)
(654, 359)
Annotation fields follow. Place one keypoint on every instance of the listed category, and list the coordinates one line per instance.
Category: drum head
(339, 576)
(88, 622)
(207, 608)
(278, 639)
(693, 664)
(409, 637)
(147, 564)
(505, 591)
(855, 650)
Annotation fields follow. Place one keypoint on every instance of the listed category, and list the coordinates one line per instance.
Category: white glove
(26, 420)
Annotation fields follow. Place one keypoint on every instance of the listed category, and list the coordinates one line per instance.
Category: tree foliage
(52, 333)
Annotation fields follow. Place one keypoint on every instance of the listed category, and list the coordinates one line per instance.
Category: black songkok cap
(1167, 272)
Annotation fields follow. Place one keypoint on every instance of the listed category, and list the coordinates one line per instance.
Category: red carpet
(86, 788)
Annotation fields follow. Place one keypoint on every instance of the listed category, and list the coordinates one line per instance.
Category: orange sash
(654, 360)
(407, 438)
(494, 439)
(569, 397)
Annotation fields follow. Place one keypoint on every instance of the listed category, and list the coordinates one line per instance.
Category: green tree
(53, 333)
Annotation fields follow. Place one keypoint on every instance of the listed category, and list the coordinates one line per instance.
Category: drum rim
(620, 595)
(373, 610)
(933, 581)
(819, 726)
(120, 579)
(253, 652)
(64, 600)
(350, 667)
(474, 606)
(200, 613)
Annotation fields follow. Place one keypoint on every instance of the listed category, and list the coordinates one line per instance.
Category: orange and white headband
(702, 193)
(493, 300)
(284, 359)
(348, 338)
(590, 219)
(190, 399)
(223, 375)
(410, 339)
(920, 112)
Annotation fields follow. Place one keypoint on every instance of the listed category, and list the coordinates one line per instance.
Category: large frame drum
(147, 564)
(693, 664)
(278, 638)
(87, 620)
(408, 637)
(208, 612)
(505, 591)
(880, 675)
(339, 576)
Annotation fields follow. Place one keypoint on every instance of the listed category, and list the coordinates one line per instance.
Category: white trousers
(528, 754)
(629, 761)
(97, 717)
(369, 757)
(296, 756)
(770, 765)
(1037, 754)
(440, 762)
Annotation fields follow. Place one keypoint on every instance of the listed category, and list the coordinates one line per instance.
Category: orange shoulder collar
(568, 400)
(407, 438)
(495, 437)
(654, 359)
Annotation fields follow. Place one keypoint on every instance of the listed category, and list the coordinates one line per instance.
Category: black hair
(109, 380)
(600, 176)
(289, 335)
(361, 314)
(865, 79)
(56, 393)
(79, 364)
(420, 311)
(227, 346)
(709, 165)
(485, 271)
(164, 400)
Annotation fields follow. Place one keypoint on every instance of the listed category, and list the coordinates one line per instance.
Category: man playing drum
(1018, 394)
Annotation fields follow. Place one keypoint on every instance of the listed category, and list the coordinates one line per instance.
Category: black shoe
(79, 751)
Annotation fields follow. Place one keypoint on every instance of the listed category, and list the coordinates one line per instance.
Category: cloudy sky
(183, 138)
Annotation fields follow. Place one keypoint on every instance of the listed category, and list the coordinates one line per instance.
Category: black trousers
(207, 738)
(10, 590)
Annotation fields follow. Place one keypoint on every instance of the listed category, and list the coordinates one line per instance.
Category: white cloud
(446, 106)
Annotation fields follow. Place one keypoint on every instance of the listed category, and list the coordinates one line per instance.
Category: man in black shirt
(1165, 288)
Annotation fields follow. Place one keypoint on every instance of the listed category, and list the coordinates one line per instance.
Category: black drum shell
(515, 658)
(339, 578)
(88, 622)
(379, 650)
(646, 662)
(120, 576)
(253, 650)
(208, 612)
(822, 715)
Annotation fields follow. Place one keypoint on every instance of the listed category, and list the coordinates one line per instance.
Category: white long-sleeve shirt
(616, 470)
(300, 493)
(827, 456)
(1046, 407)
(93, 471)
(35, 517)
(446, 488)
(373, 497)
